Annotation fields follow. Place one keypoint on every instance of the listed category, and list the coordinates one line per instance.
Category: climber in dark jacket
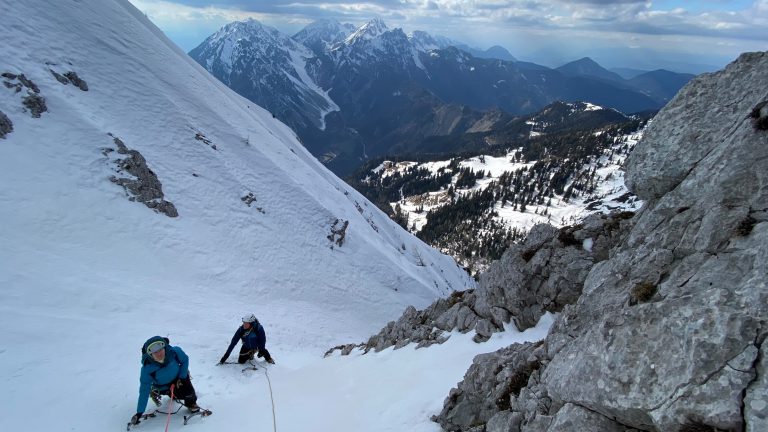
(163, 366)
(253, 337)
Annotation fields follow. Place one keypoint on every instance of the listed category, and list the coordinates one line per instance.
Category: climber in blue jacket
(163, 366)
(251, 333)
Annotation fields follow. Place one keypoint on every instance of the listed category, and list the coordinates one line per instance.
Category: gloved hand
(179, 383)
(136, 419)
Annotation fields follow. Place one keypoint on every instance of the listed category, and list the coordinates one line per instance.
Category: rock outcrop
(70, 77)
(543, 274)
(669, 331)
(6, 126)
(33, 101)
(139, 181)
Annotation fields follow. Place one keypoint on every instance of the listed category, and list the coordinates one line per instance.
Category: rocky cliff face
(664, 313)
(543, 274)
(669, 331)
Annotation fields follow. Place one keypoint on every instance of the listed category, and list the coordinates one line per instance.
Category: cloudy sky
(681, 35)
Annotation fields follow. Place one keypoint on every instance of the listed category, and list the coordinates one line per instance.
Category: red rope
(168, 421)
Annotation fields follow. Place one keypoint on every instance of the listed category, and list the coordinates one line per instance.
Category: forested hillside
(473, 205)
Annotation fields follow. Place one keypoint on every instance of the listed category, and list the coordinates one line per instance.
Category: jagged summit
(424, 41)
(364, 92)
(269, 68)
(321, 35)
(370, 30)
(243, 29)
(249, 38)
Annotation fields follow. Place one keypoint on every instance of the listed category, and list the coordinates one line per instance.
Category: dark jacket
(254, 338)
(160, 375)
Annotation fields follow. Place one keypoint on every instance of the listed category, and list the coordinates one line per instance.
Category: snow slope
(86, 275)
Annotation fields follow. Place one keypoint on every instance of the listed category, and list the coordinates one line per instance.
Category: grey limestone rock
(70, 77)
(33, 101)
(572, 418)
(489, 387)
(35, 104)
(546, 272)
(504, 421)
(687, 355)
(516, 288)
(690, 354)
(59, 77)
(76, 80)
(6, 126)
(141, 183)
(694, 124)
(759, 116)
(755, 403)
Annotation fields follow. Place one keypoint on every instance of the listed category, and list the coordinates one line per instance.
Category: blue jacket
(160, 375)
(253, 339)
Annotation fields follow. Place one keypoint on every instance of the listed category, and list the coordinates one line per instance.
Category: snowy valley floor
(73, 373)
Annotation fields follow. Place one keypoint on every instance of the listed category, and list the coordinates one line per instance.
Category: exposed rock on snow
(33, 101)
(338, 232)
(691, 356)
(70, 77)
(6, 126)
(35, 104)
(142, 185)
(76, 80)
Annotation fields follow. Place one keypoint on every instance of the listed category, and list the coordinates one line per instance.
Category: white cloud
(519, 25)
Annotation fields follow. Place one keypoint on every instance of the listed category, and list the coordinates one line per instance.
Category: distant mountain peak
(498, 52)
(322, 34)
(370, 30)
(583, 62)
(585, 66)
(424, 41)
(246, 29)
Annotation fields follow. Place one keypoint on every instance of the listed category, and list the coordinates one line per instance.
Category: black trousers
(185, 392)
(247, 354)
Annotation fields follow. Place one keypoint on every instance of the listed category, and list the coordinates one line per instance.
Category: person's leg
(264, 353)
(245, 355)
(185, 392)
(156, 395)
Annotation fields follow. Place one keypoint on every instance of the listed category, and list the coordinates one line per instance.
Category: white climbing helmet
(249, 318)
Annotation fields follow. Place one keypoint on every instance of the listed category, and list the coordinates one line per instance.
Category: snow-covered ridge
(326, 32)
(251, 55)
(370, 30)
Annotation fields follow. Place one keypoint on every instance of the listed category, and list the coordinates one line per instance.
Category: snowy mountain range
(235, 52)
(378, 91)
(141, 196)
